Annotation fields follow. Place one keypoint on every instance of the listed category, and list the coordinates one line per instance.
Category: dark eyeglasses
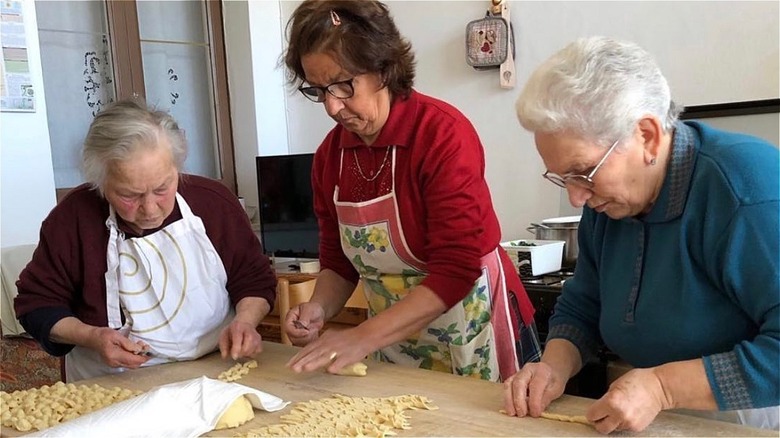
(339, 90)
(584, 181)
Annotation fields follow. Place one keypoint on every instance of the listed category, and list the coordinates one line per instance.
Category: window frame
(125, 42)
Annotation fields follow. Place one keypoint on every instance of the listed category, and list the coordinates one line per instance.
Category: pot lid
(562, 220)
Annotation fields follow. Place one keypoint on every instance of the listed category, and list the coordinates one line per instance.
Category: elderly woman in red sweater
(402, 203)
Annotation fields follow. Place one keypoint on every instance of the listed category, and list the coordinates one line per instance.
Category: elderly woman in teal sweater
(678, 246)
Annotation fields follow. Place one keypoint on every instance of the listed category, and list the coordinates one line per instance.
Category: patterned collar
(674, 193)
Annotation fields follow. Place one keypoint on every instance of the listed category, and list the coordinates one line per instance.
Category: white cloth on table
(183, 409)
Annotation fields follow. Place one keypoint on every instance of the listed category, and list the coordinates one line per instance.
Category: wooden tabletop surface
(467, 407)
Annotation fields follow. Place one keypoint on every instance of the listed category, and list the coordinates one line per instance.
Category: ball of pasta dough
(356, 369)
(238, 413)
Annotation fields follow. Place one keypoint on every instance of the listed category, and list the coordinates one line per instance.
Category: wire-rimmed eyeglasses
(585, 181)
(339, 90)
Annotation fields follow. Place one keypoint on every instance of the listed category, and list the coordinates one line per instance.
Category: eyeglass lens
(585, 181)
(575, 180)
(339, 90)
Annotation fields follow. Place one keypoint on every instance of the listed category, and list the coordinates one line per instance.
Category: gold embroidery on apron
(182, 295)
(134, 271)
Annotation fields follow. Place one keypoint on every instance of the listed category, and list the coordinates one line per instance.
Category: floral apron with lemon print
(473, 338)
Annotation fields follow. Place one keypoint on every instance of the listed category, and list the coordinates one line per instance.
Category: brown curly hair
(366, 41)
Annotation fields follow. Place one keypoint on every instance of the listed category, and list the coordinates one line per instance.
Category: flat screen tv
(288, 226)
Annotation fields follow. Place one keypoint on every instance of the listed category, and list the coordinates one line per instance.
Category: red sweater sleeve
(460, 222)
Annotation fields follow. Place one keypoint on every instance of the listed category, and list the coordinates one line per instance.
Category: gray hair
(596, 88)
(120, 130)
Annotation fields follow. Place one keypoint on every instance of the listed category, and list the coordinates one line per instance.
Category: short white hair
(120, 130)
(596, 88)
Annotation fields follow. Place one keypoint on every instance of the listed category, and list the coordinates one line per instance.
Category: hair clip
(334, 18)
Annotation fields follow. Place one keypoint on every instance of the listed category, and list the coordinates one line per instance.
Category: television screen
(288, 226)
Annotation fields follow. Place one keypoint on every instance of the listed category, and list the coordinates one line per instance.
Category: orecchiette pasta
(237, 371)
(47, 406)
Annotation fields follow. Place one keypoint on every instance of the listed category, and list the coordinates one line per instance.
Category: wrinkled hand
(240, 339)
(531, 390)
(116, 349)
(631, 403)
(334, 350)
(312, 316)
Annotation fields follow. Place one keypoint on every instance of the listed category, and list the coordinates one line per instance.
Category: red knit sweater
(445, 205)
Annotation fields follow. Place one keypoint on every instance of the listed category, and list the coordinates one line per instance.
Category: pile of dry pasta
(340, 415)
(47, 406)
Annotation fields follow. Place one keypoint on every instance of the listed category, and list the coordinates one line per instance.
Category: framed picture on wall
(755, 117)
(16, 88)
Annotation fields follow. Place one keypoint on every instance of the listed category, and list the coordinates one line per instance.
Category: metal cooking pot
(560, 228)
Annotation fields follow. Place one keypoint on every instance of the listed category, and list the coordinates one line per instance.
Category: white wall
(711, 52)
(27, 191)
(257, 92)
(761, 125)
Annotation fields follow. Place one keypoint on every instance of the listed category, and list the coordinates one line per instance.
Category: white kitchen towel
(183, 409)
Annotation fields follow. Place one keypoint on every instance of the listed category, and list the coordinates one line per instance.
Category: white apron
(476, 337)
(170, 286)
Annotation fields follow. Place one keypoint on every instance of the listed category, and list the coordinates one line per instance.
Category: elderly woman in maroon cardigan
(143, 265)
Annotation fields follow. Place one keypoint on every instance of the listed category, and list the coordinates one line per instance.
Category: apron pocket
(477, 358)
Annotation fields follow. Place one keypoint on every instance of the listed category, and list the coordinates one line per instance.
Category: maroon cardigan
(66, 276)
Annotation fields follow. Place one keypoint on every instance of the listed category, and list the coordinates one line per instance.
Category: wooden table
(467, 407)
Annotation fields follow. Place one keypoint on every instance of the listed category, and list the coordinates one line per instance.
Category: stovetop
(543, 291)
(552, 280)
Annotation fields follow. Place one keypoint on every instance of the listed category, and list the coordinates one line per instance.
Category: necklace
(382, 166)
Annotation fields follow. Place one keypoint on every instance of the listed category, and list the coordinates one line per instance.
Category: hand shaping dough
(238, 413)
(356, 369)
(568, 418)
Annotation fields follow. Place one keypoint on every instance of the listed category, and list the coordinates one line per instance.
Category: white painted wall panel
(711, 52)
(27, 191)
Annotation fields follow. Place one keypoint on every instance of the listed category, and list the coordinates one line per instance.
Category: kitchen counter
(467, 407)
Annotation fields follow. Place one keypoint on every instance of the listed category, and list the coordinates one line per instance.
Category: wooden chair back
(293, 294)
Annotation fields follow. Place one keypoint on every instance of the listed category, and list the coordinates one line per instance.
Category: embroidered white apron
(473, 338)
(170, 286)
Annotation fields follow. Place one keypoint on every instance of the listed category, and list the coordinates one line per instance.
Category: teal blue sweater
(697, 277)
